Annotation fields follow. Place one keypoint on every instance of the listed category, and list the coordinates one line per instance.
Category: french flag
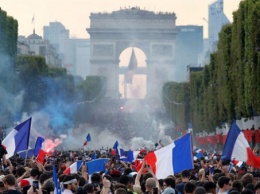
(132, 155)
(88, 139)
(198, 153)
(96, 165)
(117, 150)
(38, 151)
(73, 168)
(18, 139)
(236, 147)
(38, 145)
(41, 156)
(173, 158)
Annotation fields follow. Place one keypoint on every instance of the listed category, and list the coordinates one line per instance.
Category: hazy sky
(74, 14)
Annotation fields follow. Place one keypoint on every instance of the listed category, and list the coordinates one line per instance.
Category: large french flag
(236, 147)
(73, 168)
(18, 139)
(173, 158)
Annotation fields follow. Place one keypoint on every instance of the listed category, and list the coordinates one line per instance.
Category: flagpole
(26, 154)
(33, 21)
(25, 159)
(125, 90)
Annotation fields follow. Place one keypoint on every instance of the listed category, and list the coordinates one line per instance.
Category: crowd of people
(209, 175)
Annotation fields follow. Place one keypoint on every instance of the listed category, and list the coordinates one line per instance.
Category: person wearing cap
(24, 183)
(169, 190)
(70, 184)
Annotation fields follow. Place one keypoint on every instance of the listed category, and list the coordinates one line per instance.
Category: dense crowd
(209, 175)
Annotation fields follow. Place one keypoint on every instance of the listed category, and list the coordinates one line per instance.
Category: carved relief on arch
(162, 50)
(103, 50)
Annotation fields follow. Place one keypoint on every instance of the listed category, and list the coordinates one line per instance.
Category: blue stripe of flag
(233, 133)
(22, 137)
(182, 152)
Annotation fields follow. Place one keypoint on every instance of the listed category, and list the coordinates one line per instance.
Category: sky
(74, 14)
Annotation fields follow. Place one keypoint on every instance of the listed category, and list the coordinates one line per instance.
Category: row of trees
(229, 86)
(28, 84)
(52, 90)
(8, 39)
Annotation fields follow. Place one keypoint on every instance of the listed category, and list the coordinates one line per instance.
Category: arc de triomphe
(153, 33)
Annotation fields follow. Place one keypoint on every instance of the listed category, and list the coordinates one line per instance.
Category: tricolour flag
(132, 155)
(73, 168)
(18, 139)
(236, 147)
(38, 145)
(41, 156)
(88, 139)
(238, 163)
(173, 158)
(96, 165)
(198, 153)
(117, 150)
(131, 68)
(115, 145)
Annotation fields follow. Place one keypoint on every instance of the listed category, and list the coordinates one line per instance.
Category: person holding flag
(18, 139)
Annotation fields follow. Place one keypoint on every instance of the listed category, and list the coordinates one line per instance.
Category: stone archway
(154, 33)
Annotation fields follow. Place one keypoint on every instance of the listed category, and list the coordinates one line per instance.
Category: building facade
(216, 20)
(74, 53)
(35, 45)
(80, 49)
(59, 37)
(189, 45)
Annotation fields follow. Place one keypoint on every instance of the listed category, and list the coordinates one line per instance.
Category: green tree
(8, 45)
